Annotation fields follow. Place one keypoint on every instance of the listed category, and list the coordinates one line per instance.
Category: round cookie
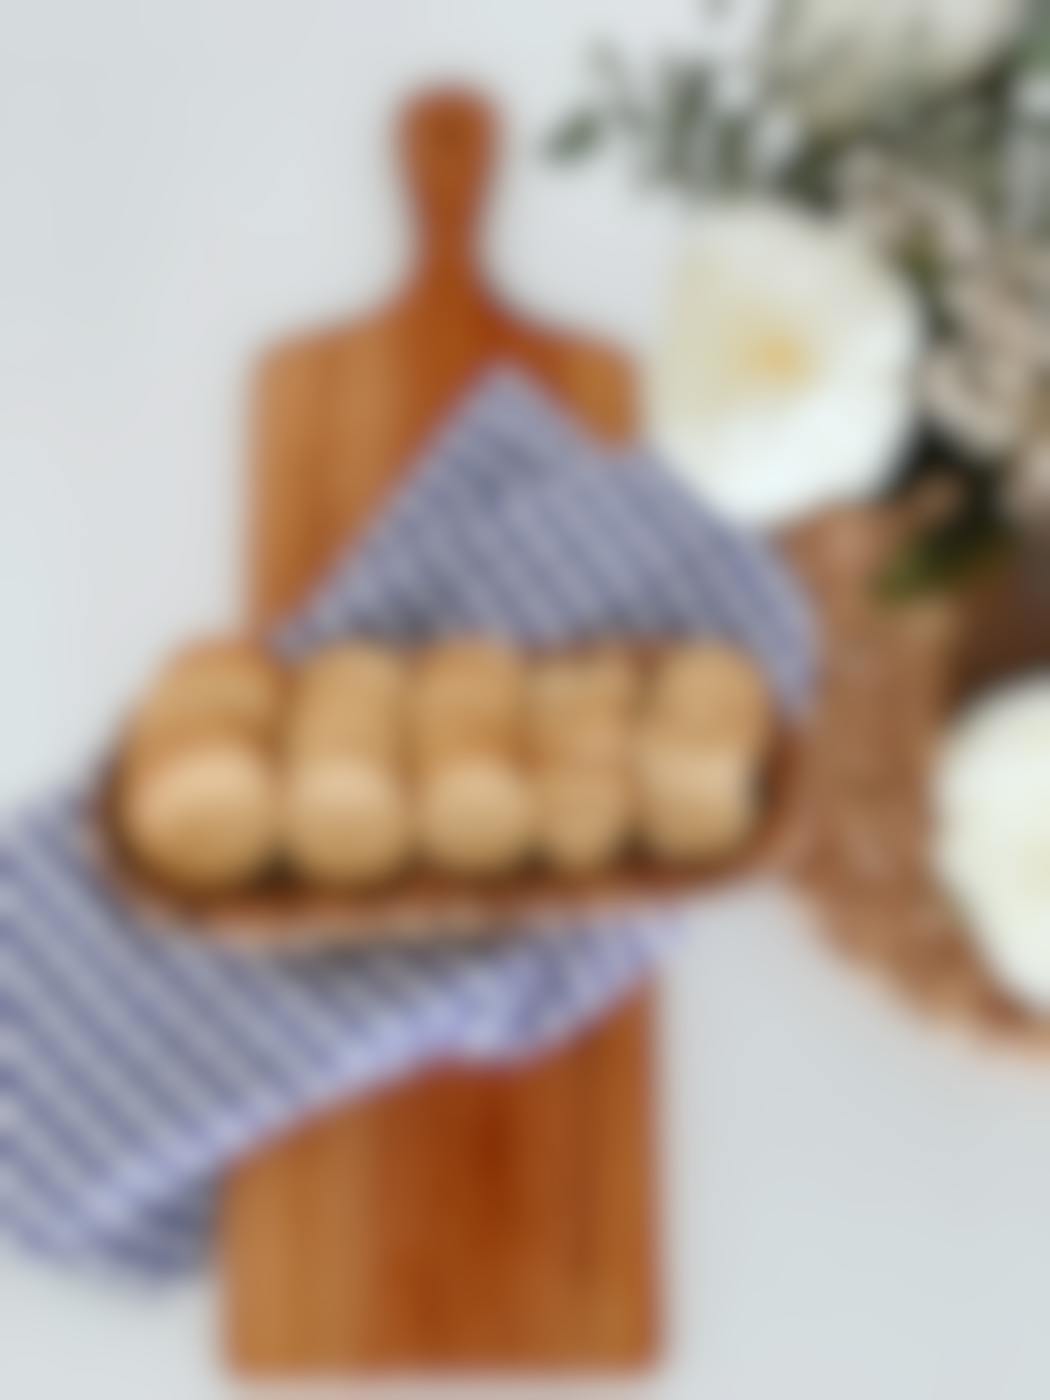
(601, 680)
(234, 681)
(695, 803)
(345, 821)
(686, 833)
(352, 669)
(328, 716)
(201, 813)
(476, 817)
(714, 694)
(596, 742)
(583, 819)
(476, 673)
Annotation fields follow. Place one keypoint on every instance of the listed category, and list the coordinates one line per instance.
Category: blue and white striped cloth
(134, 1067)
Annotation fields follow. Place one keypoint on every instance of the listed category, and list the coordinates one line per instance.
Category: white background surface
(856, 1206)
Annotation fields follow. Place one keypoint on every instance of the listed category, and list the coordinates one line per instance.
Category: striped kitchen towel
(134, 1068)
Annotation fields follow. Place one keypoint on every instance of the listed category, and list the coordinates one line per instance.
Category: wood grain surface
(895, 677)
(469, 1218)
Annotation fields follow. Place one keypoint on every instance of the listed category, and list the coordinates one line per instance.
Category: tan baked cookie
(695, 803)
(477, 673)
(476, 817)
(583, 818)
(236, 682)
(354, 669)
(601, 680)
(201, 812)
(346, 820)
(715, 694)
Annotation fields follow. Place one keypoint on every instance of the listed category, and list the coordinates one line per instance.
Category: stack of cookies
(468, 757)
(199, 789)
(708, 719)
(346, 816)
(475, 806)
(582, 714)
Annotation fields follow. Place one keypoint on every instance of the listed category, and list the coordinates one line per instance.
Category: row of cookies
(467, 757)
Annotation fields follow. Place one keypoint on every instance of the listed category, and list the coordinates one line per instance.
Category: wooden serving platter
(472, 1217)
(282, 914)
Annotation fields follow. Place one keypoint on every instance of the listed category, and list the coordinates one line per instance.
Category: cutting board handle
(448, 140)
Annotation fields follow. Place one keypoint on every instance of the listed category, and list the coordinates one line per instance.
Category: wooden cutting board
(468, 1218)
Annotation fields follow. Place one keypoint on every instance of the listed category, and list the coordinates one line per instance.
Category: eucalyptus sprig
(697, 123)
(681, 122)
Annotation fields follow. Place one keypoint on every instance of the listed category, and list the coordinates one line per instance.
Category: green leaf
(684, 153)
(1033, 49)
(942, 559)
(577, 135)
(1035, 56)
(625, 107)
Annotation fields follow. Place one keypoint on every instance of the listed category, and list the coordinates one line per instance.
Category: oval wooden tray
(423, 907)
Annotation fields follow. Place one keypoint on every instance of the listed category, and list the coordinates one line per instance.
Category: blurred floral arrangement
(867, 293)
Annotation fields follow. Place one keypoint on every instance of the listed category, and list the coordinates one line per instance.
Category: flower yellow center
(774, 357)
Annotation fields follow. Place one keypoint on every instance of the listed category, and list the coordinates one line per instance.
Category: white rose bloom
(857, 55)
(961, 39)
(991, 841)
(783, 379)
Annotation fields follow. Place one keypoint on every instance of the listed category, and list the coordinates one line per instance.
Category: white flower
(781, 382)
(857, 56)
(960, 40)
(991, 841)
